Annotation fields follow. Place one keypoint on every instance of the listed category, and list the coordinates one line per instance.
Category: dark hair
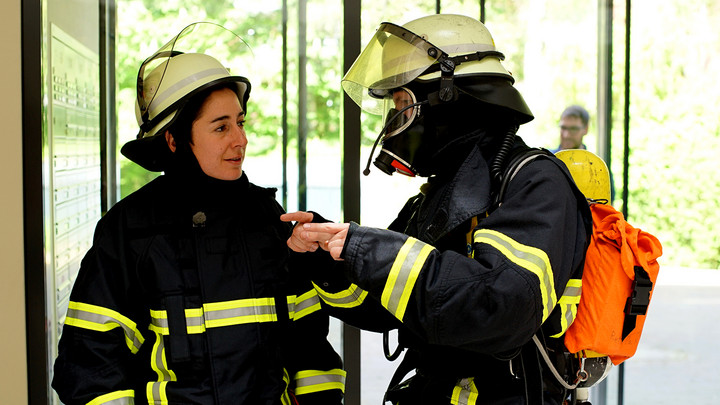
(578, 112)
(181, 128)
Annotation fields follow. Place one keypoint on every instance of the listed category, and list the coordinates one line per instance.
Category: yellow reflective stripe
(530, 258)
(403, 275)
(194, 318)
(308, 381)
(285, 397)
(568, 304)
(352, 297)
(218, 314)
(102, 319)
(157, 393)
(252, 310)
(303, 305)
(158, 360)
(126, 397)
(465, 392)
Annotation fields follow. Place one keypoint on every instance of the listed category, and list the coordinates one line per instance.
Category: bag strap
(517, 162)
(520, 160)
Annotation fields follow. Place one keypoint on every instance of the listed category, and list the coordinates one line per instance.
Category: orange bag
(617, 284)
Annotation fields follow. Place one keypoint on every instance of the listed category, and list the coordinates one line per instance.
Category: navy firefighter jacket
(187, 296)
(465, 284)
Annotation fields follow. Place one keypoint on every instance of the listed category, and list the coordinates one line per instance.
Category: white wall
(13, 365)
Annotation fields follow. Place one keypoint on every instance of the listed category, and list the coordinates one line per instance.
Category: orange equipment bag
(618, 278)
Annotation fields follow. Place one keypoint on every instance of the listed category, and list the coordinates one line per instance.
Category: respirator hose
(497, 163)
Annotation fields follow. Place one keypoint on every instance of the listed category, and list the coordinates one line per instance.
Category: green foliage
(133, 177)
(675, 138)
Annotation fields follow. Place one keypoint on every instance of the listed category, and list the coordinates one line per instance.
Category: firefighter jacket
(468, 290)
(187, 297)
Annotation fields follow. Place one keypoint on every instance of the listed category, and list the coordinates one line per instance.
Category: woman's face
(218, 136)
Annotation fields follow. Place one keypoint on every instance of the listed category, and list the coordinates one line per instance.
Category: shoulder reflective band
(403, 275)
(568, 304)
(352, 297)
(218, 314)
(102, 319)
(126, 397)
(529, 258)
(303, 305)
(465, 392)
(308, 381)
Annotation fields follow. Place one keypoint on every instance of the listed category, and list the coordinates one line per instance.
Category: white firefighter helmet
(175, 80)
(398, 55)
(166, 81)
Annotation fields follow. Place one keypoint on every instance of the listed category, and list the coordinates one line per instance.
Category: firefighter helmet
(166, 81)
(432, 61)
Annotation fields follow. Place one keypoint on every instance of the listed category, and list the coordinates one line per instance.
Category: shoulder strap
(517, 162)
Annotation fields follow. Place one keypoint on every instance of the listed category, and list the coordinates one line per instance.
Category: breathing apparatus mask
(406, 72)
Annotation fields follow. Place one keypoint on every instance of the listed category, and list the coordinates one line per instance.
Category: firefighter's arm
(99, 336)
(492, 302)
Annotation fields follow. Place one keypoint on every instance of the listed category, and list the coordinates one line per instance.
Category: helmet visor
(402, 109)
(392, 58)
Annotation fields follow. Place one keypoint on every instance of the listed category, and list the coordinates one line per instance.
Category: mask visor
(402, 110)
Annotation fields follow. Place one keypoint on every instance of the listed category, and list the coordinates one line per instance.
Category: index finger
(325, 227)
(299, 216)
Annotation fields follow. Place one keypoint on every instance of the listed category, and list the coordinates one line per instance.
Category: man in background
(573, 126)
(574, 122)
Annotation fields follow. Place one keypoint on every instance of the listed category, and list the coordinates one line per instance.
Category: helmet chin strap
(384, 130)
(447, 90)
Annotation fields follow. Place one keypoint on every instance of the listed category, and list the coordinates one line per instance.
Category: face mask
(401, 134)
(402, 152)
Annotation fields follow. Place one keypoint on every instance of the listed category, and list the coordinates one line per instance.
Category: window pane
(674, 192)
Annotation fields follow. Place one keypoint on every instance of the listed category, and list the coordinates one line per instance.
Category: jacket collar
(448, 204)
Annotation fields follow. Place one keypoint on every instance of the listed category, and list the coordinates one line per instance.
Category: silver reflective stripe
(403, 275)
(465, 392)
(103, 319)
(352, 297)
(198, 76)
(156, 392)
(243, 312)
(303, 305)
(218, 314)
(568, 304)
(159, 360)
(309, 381)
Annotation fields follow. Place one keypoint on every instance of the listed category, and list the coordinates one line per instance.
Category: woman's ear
(170, 141)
